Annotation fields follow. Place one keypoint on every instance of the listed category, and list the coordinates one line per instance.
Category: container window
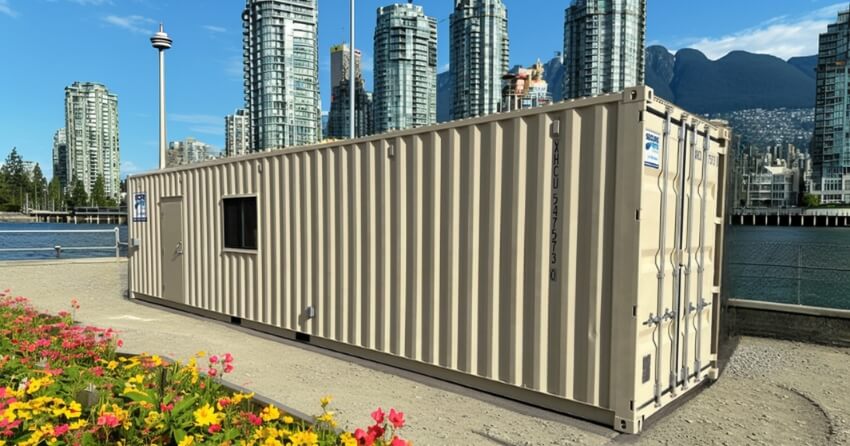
(240, 223)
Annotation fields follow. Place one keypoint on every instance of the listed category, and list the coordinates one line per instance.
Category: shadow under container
(566, 256)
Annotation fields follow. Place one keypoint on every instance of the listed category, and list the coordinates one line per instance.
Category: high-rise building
(60, 157)
(341, 64)
(188, 151)
(525, 89)
(479, 56)
(281, 62)
(603, 46)
(338, 118)
(91, 131)
(831, 144)
(405, 92)
(237, 133)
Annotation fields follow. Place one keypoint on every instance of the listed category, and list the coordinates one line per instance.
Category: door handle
(179, 248)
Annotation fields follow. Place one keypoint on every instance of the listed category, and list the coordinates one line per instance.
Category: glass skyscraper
(479, 56)
(338, 117)
(831, 142)
(281, 60)
(91, 134)
(604, 44)
(405, 93)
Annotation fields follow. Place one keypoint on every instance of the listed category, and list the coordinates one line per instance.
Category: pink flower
(213, 359)
(378, 416)
(399, 442)
(214, 428)
(228, 368)
(60, 430)
(166, 407)
(108, 420)
(254, 419)
(120, 343)
(228, 358)
(212, 372)
(376, 431)
(396, 418)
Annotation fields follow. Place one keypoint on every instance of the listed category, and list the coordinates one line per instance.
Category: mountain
(805, 64)
(737, 81)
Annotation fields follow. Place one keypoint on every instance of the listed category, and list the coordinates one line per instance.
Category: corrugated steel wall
(486, 246)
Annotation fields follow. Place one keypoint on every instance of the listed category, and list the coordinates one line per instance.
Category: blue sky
(48, 44)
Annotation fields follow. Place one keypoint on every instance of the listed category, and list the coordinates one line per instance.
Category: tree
(55, 196)
(39, 188)
(16, 181)
(78, 195)
(811, 201)
(98, 193)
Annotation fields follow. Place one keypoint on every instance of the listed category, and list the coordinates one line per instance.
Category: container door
(171, 236)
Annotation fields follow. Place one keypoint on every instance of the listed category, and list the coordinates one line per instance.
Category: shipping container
(566, 256)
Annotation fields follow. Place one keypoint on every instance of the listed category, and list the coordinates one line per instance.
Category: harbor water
(45, 242)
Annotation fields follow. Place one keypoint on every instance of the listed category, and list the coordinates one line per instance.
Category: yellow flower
(151, 418)
(270, 413)
(201, 354)
(347, 439)
(327, 417)
(326, 400)
(2, 442)
(186, 441)
(206, 415)
(73, 410)
(77, 424)
(112, 365)
(238, 397)
(305, 438)
(138, 379)
(271, 441)
(34, 385)
(288, 420)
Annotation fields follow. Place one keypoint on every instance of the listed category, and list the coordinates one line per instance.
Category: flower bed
(64, 384)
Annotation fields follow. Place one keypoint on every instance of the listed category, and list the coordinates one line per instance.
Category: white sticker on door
(651, 149)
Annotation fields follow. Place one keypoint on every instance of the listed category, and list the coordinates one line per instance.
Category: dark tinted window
(240, 223)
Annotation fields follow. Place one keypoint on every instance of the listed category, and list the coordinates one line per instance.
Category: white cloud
(784, 36)
(6, 9)
(134, 23)
(202, 120)
(128, 167)
(215, 29)
(209, 129)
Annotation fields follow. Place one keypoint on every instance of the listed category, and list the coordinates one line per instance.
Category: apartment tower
(405, 90)
(91, 133)
(603, 46)
(281, 64)
(479, 56)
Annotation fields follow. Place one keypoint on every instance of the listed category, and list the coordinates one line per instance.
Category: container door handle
(179, 249)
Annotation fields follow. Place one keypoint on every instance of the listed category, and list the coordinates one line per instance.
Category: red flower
(212, 372)
(376, 431)
(214, 428)
(228, 358)
(399, 442)
(228, 368)
(213, 359)
(166, 407)
(378, 416)
(120, 343)
(396, 418)
(364, 438)
(108, 419)
(223, 402)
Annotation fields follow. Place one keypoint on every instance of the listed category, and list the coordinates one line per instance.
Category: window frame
(240, 250)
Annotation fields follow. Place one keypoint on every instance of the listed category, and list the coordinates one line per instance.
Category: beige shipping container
(567, 256)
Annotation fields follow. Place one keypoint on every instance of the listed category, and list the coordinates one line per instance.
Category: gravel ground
(773, 392)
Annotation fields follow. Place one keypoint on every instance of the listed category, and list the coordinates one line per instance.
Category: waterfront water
(792, 265)
(53, 238)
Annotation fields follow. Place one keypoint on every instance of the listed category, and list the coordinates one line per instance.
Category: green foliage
(55, 195)
(98, 193)
(15, 182)
(811, 201)
(78, 196)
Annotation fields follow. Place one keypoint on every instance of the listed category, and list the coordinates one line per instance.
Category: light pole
(351, 70)
(161, 42)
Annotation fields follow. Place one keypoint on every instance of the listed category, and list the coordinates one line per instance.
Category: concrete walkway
(772, 393)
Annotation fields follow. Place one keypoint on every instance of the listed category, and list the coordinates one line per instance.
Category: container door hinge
(555, 128)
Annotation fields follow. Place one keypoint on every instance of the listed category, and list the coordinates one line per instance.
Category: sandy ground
(773, 392)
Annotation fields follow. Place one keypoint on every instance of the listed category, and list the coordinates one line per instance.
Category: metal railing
(797, 273)
(59, 249)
